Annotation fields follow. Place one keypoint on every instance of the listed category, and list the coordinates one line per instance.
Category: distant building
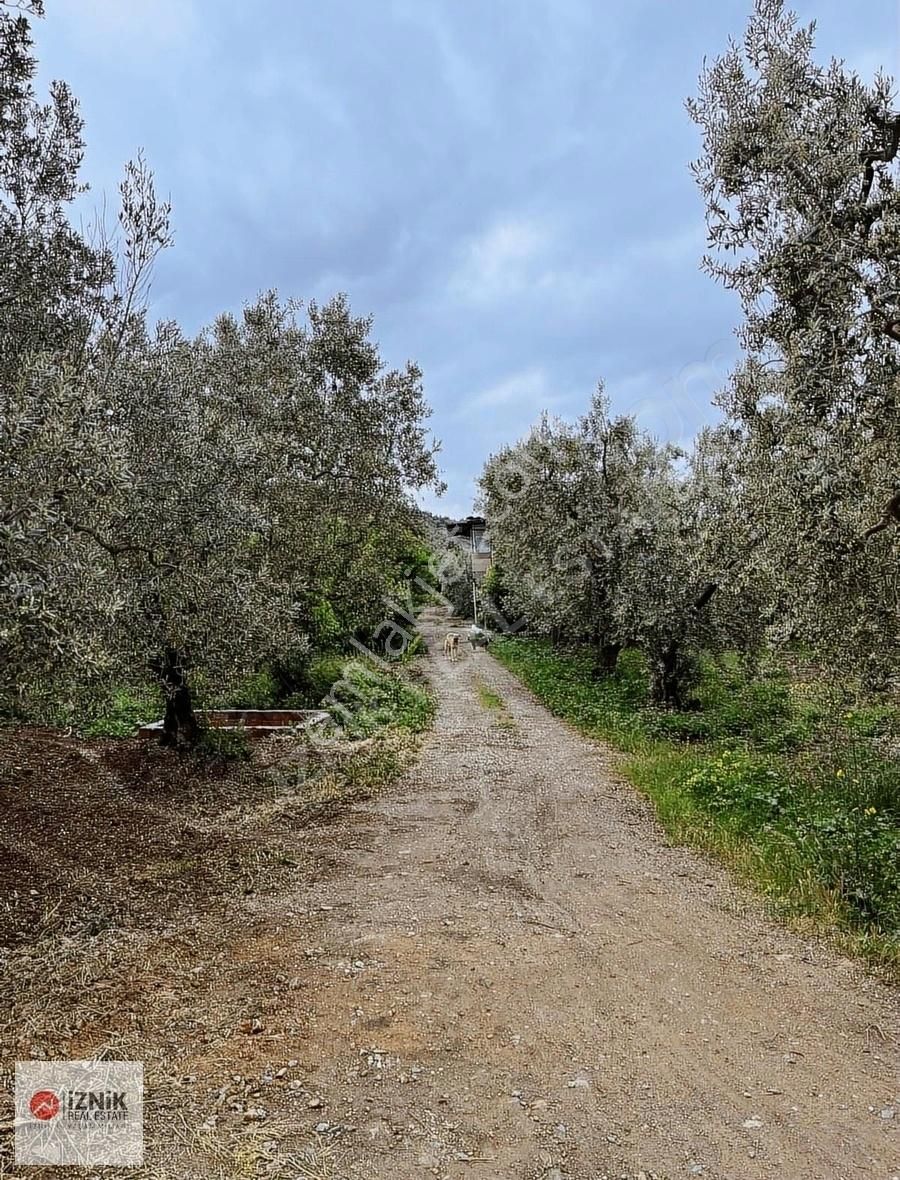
(471, 535)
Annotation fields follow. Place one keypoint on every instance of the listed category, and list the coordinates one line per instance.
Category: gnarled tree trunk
(606, 656)
(669, 681)
(180, 726)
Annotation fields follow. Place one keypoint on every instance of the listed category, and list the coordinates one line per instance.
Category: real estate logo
(79, 1112)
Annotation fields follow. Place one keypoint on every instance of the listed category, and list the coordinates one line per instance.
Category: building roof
(464, 528)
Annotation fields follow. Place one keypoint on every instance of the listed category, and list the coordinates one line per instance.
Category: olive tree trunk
(180, 727)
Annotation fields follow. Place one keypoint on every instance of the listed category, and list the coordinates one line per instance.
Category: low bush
(367, 698)
(746, 791)
(855, 852)
(118, 714)
(222, 745)
(730, 701)
(258, 691)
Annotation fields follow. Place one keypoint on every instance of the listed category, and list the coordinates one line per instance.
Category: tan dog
(451, 647)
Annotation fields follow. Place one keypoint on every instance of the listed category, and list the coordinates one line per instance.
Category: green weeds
(795, 793)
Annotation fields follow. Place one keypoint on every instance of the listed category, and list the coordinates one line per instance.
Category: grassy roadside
(379, 716)
(788, 786)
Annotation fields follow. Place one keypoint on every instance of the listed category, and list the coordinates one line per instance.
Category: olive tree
(189, 506)
(565, 508)
(528, 491)
(684, 586)
(605, 538)
(57, 293)
(799, 174)
(267, 470)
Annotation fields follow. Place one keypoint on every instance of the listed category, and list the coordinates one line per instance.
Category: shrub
(322, 672)
(119, 714)
(750, 791)
(222, 745)
(367, 699)
(856, 853)
(257, 691)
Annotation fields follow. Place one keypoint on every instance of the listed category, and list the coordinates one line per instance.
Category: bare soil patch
(496, 968)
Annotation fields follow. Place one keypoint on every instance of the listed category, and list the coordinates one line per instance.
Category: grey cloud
(376, 148)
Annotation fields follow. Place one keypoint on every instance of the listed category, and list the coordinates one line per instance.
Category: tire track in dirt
(546, 988)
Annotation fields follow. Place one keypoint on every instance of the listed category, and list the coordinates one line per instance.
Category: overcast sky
(503, 184)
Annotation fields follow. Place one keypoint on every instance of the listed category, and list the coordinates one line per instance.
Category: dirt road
(497, 969)
(525, 981)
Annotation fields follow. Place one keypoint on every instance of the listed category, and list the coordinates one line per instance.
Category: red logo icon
(44, 1105)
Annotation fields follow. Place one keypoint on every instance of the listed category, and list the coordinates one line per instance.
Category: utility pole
(474, 591)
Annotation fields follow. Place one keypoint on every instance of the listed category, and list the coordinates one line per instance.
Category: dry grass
(133, 929)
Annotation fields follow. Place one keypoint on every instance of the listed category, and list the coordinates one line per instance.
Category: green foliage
(326, 628)
(118, 714)
(741, 789)
(798, 172)
(454, 572)
(855, 852)
(369, 698)
(810, 815)
(854, 773)
(869, 721)
(493, 583)
(729, 701)
(256, 691)
(196, 504)
(565, 682)
(303, 683)
(416, 563)
(417, 647)
(222, 745)
(322, 673)
(604, 538)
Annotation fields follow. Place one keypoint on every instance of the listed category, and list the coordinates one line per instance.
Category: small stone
(887, 1113)
(752, 1124)
(321, 1128)
(579, 1084)
(314, 1103)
